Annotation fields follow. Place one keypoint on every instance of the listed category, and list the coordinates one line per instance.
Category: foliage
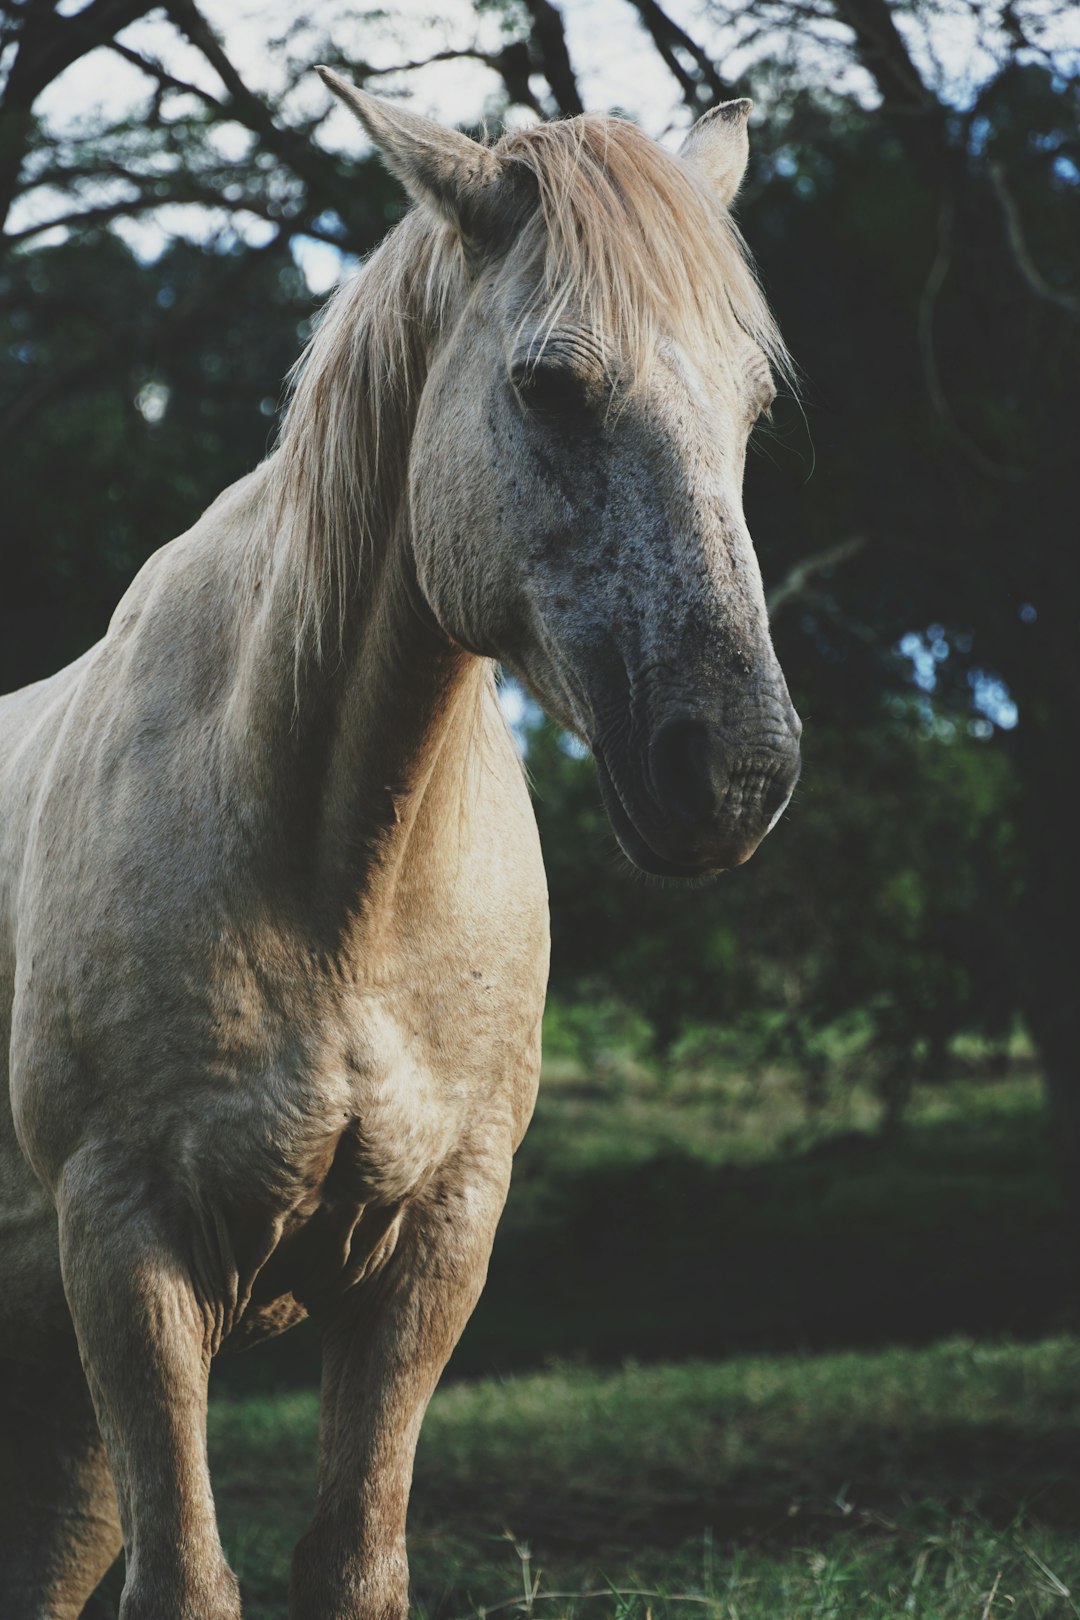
(148, 431)
(877, 904)
(943, 419)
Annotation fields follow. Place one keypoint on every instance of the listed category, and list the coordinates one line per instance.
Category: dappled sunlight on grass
(621, 1111)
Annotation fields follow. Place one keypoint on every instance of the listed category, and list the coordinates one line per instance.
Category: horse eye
(555, 394)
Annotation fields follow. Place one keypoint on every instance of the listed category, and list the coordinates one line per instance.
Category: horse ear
(441, 167)
(719, 145)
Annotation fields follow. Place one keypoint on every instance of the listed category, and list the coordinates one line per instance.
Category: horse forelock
(635, 243)
(628, 239)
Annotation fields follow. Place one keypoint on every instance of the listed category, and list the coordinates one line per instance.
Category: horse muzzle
(698, 798)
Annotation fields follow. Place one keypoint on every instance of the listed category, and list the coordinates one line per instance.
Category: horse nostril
(681, 771)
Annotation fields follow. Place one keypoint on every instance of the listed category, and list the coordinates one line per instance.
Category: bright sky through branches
(616, 64)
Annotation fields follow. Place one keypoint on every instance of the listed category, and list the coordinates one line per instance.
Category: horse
(273, 915)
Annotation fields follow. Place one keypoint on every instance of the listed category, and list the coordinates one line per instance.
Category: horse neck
(355, 750)
(354, 755)
(360, 709)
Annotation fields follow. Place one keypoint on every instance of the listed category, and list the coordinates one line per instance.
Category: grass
(941, 1484)
(644, 1216)
(865, 1472)
(728, 1114)
(962, 1140)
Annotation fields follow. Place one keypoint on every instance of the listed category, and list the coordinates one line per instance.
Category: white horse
(273, 921)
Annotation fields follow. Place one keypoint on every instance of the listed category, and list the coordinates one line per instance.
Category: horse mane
(630, 239)
(636, 243)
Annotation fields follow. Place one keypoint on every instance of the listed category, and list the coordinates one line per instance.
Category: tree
(961, 410)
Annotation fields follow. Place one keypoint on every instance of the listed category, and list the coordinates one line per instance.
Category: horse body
(277, 1058)
(240, 1023)
(273, 928)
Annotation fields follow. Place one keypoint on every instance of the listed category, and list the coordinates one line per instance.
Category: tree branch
(167, 80)
(47, 44)
(318, 172)
(512, 64)
(700, 90)
(795, 581)
(548, 36)
(1014, 231)
(935, 280)
(913, 111)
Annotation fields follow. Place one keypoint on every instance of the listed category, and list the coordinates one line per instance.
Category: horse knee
(335, 1579)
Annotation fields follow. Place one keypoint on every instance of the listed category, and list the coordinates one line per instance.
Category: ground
(742, 1358)
(941, 1484)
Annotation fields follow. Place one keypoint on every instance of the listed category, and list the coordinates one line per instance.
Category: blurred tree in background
(916, 227)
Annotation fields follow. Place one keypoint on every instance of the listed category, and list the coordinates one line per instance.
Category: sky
(613, 56)
(616, 64)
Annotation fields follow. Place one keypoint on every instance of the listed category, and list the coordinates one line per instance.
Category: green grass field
(757, 1364)
(942, 1484)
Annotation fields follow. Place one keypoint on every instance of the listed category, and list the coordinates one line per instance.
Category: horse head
(575, 472)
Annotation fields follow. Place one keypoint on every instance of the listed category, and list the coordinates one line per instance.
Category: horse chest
(402, 1086)
(406, 1128)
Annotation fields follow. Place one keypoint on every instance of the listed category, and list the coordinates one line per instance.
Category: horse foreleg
(146, 1334)
(385, 1346)
(59, 1529)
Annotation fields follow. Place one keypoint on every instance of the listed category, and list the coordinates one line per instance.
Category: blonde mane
(629, 239)
(636, 244)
